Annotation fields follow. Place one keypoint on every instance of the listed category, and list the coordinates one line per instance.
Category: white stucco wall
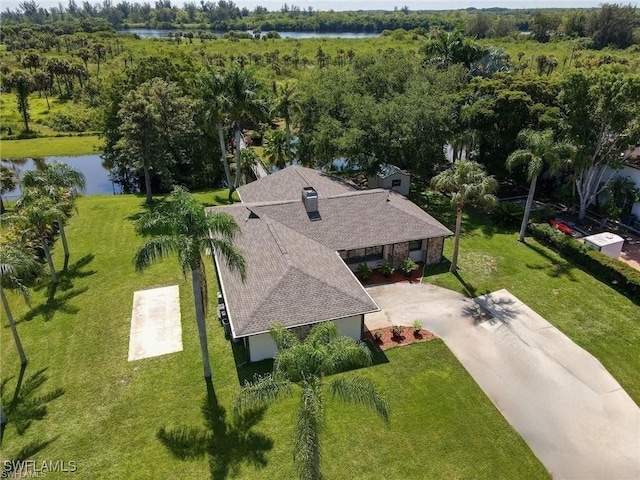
(404, 185)
(262, 346)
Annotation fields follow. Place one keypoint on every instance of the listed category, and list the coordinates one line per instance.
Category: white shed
(607, 243)
(391, 178)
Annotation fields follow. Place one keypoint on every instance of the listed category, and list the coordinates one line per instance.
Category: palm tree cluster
(303, 366)
(46, 203)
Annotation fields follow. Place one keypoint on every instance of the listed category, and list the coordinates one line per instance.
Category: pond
(96, 175)
(154, 33)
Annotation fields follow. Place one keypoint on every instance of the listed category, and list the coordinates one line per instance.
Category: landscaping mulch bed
(378, 278)
(389, 341)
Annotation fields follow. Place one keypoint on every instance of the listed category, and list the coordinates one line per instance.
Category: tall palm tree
(181, 226)
(539, 149)
(287, 104)
(306, 364)
(16, 265)
(58, 181)
(467, 183)
(244, 105)
(39, 213)
(276, 149)
(213, 87)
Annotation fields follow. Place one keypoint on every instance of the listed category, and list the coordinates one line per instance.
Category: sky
(272, 5)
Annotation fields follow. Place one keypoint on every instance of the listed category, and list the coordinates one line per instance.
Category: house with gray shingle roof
(303, 233)
(391, 178)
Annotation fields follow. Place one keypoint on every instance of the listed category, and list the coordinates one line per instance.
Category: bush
(363, 271)
(377, 335)
(608, 270)
(417, 326)
(508, 214)
(397, 331)
(542, 215)
(408, 266)
(386, 268)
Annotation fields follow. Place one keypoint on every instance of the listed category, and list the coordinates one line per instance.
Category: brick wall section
(400, 252)
(434, 250)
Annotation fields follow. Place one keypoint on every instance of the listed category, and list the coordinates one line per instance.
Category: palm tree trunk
(527, 208)
(47, 255)
(147, 184)
(456, 242)
(63, 237)
(200, 320)
(288, 130)
(14, 330)
(238, 138)
(225, 163)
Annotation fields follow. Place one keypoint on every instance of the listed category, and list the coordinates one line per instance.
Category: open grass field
(50, 146)
(82, 401)
(592, 314)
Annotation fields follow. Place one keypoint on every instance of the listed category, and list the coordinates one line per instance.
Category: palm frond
(261, 392)
(322, 334)
(282, 337)
(154, 249)
(222, 224)
(361, 391)
(346, 354)
(231, 255)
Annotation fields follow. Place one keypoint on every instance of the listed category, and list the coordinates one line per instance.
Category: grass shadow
(54, 304)
(378, 356)
(556, 268)
(248, 370)
(28, 404)
(13, 467)
(227, 443)
(470, 290)
(437, 268)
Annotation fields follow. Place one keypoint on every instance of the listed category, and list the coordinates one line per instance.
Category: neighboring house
(391, 178)
(303, 232)
(631, 169)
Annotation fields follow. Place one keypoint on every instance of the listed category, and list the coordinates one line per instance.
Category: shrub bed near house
(611, 271)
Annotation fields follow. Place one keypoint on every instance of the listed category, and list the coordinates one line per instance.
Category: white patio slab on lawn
(156, 327)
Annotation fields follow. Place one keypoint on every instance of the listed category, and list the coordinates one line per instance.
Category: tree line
(611, 24)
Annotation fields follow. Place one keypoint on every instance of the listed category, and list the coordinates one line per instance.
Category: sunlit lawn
(50, 146)
(595, 316)
(108, 414)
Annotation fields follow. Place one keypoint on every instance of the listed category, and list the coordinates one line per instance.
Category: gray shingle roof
(287, 183)
(294, 273)
(386, 170)
(291, 279)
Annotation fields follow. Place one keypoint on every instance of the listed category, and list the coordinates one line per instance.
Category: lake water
(152, 33)
(97, 177)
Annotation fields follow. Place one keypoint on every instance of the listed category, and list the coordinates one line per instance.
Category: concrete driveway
(573, 414)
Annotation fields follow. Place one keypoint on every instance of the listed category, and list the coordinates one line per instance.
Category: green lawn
(82, 400)
(591, 313)
(50, 146)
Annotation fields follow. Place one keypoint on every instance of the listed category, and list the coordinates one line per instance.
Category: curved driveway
(573, 414)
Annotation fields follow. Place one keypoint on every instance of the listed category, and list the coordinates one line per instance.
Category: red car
(563, 227)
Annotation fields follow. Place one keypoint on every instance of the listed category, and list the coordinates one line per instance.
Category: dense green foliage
(611, 271)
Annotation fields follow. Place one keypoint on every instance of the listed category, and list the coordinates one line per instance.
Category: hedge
(618, 274)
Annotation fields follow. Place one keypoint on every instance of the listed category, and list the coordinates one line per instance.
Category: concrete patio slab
(156, 328)
(573, 414)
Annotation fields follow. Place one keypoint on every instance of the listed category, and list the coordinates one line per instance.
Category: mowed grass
(94, 407)
(591, 313)
(50, 146)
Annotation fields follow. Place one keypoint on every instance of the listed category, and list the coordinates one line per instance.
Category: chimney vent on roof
(310, 201)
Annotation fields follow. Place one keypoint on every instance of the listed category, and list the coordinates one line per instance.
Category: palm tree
(58, 181)
(39, 213)
(306, 364)
(540, 149)
(467, 182)
(213, 87)
(287, 104)
(183, 227)
(16, 265)
(275, 148)
(8, 181)
(244, 105)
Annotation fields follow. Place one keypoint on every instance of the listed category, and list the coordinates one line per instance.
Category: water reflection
(154, 33)
(96, 174)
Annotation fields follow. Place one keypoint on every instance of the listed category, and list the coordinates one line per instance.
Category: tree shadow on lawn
(556, 267)
(59, 303)
(228, 444)
(28, 404)
(13, 467)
